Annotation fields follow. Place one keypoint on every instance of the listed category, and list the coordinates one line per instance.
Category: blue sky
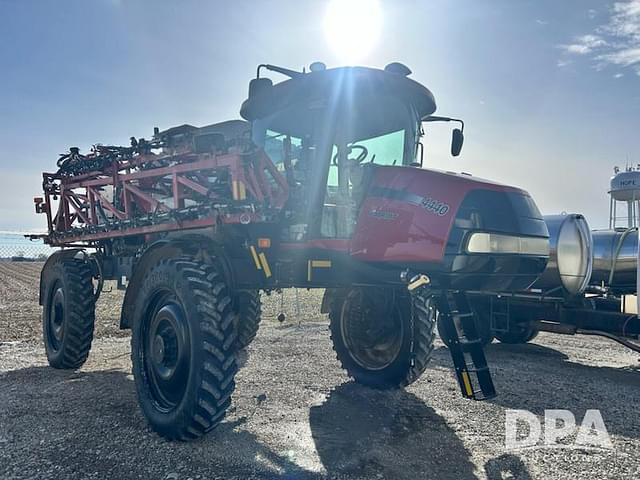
(549, 90)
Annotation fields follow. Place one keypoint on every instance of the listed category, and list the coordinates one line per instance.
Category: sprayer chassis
(194, 223)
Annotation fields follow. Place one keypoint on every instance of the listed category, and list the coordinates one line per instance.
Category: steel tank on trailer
(570, 254)
(615, 259)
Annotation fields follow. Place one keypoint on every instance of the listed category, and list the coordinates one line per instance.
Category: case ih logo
(435, 206)
(383, 215)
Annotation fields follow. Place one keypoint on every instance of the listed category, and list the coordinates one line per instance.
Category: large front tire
(68, 315)
(183, 348)
(383, 340)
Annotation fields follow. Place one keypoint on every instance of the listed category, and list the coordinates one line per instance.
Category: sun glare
(352, 28)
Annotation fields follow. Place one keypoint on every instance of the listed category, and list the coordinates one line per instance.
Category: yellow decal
(311, 264)
(321, 263)
(467, 383)
(255, 257)
(265, 265)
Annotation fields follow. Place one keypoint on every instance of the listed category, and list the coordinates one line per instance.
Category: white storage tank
(625, 186)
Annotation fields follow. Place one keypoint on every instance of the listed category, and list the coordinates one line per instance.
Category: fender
(330, 296)
(197, 245)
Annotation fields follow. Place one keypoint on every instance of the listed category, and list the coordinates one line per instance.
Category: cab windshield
(386, 149)
(384, 133)
(326, 152)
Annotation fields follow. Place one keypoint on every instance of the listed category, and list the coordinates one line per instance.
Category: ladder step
(484, 396)
(457, 314)
(465, 346)
(478, 370)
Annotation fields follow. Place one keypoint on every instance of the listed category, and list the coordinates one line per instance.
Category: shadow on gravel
(63, 424)
(498, 349)
(365, 433)
(528, 349)
(534, 377)
(498, 353)
(506, 467)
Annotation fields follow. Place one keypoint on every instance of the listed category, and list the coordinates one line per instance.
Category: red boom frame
(205, 190)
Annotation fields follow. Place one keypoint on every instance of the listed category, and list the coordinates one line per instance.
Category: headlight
(483, 242)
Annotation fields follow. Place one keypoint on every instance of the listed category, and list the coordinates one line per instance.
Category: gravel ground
(295, 415)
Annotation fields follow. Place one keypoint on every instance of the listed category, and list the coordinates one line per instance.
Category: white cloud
(585, 44)
(616, 41)
(618, 75)
(625, 57)
(577, 48)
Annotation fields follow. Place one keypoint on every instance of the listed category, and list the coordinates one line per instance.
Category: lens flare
(352, 28)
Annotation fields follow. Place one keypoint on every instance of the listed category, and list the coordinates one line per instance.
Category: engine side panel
(408, 214)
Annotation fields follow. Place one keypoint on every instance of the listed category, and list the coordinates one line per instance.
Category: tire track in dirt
(19, 275)
(19, 309)
(20, 313)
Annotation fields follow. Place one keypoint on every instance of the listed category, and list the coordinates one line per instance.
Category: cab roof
(376, 98)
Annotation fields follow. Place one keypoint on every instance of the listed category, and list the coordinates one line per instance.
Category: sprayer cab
(347, 105)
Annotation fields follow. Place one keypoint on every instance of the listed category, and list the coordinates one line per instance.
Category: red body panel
(409, 212)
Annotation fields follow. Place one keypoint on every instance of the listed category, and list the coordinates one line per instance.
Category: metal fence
(15, 247)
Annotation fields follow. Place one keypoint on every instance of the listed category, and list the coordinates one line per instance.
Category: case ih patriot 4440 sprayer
(320, 187)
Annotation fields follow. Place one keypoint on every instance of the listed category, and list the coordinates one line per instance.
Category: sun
(352, 28)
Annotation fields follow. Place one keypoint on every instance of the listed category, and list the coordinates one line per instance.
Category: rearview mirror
(457, 139)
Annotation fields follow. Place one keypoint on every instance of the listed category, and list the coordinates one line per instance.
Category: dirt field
(295, 415)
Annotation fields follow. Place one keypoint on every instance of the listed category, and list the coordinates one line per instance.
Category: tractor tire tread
(424, 322)
(80, 312)
(249, 313)
(216, 365)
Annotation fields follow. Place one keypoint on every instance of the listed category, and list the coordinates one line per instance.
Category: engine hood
(467, 177)
(408, 214)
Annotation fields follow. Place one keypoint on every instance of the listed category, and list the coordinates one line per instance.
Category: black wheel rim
(166, 351)
(373, 336)
(55, 327)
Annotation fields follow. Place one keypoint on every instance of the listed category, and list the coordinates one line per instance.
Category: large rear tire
(183, 348)
(517, 334)
(383, 340)
(248, 310)
(68, 315)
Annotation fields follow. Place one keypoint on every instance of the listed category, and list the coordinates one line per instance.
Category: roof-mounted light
(398, 68)
(317, 67)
